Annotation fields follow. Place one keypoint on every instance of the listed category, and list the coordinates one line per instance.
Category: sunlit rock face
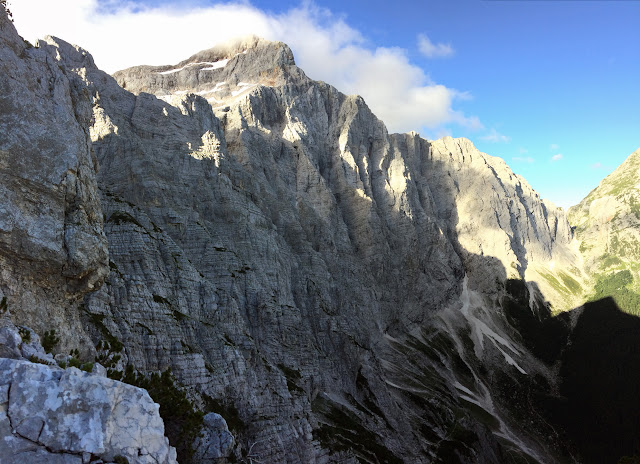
(607, 224)
(336, 293)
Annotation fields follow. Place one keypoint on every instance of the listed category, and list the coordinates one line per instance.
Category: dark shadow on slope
(600, 374)
(545, 336)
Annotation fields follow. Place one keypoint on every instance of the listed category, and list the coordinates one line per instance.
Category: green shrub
(608, 285)
(119, 459)
(114, 344)
(182, 421)
(25, 334)
(34, 359)
(49, 340)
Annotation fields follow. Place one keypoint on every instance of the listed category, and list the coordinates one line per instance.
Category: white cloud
(557, 157)
(521, 159)
(523, 150)
(123, 34)
(494, 137)
(431, 50)
(553, 147)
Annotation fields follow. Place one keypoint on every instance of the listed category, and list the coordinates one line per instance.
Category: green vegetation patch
(226, 410)
(25, 334)
(181, 420)
(343, 431)
(122, 217)
(115, 345)
(616, 286)
(625, 180)
(635, 206)
(608, 260)
(35, 359)
(555, 283)
(572, 284)
(50, 340)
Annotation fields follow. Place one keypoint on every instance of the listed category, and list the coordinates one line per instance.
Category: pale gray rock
(492, 213)
(307, 269)
(221, 75)
(214, 442)
(10, 342)
(52, 415)
(607, 222)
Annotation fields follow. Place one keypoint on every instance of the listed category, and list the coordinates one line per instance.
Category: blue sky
(550, 86)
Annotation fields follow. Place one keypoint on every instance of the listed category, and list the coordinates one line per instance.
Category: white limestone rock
(61, 414)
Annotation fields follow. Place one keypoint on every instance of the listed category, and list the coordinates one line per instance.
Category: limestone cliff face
(52, 246)
(284, 254)
(607, 228)
(334, 291)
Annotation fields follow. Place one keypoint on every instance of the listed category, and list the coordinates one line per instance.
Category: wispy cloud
(433, 50)
(521, 159)
(557, 157)
(495, 137)
(554, 146)
(523, 150)
(324, 44)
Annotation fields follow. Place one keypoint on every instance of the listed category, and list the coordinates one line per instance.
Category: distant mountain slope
(607, 227)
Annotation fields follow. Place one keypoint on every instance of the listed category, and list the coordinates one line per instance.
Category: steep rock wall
(308, 268)
(52, 246)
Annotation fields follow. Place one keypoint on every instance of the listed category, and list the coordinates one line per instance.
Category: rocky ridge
(52, 245)
(607, 224)
(337, 293)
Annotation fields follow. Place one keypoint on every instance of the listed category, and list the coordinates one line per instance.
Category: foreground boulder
(54, 415)
(215, 440)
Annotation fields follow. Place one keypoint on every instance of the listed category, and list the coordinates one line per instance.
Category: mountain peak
(218, 74)
(242, 45)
